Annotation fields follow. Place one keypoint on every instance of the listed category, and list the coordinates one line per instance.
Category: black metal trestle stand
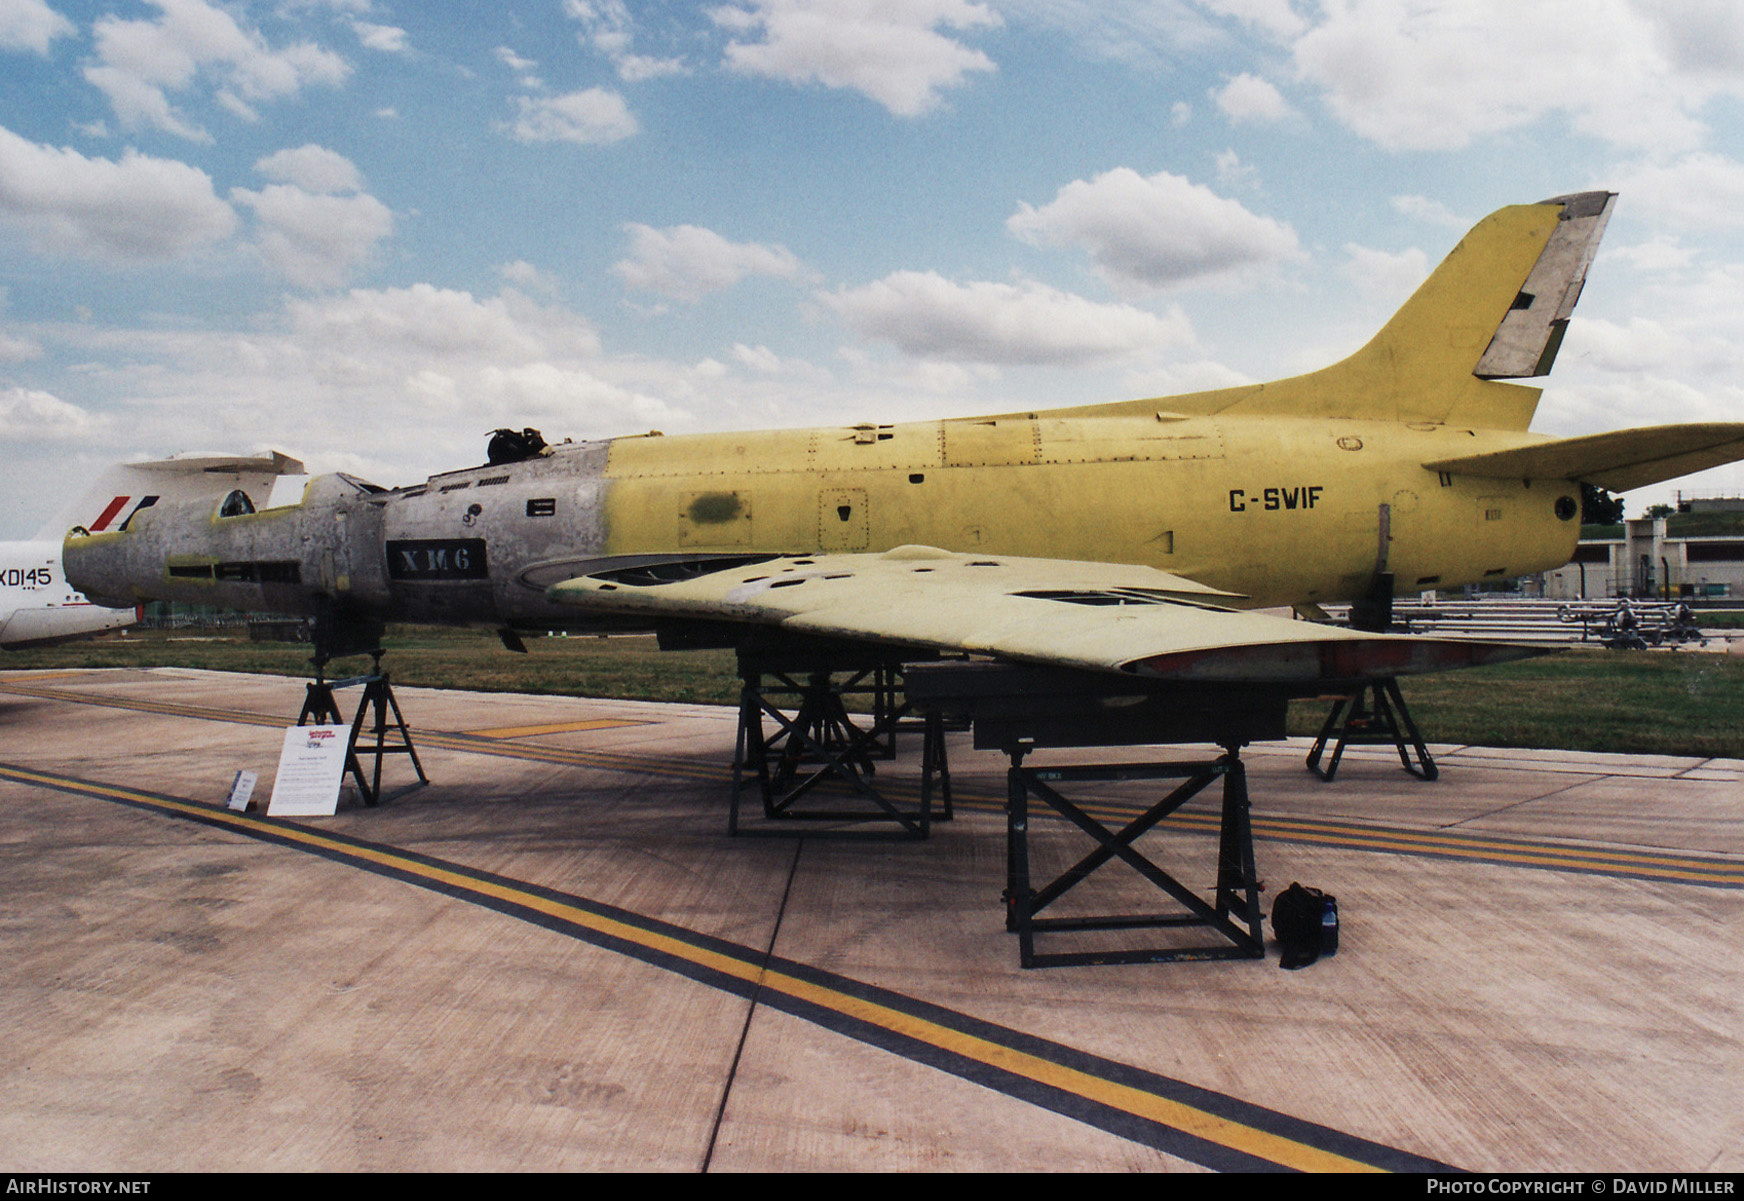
(382, 737)
(1236, 901)
(820, 742)
(1374, 715)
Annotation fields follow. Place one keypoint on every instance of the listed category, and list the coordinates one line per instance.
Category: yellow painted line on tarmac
(1241, 1137)
(561, 727)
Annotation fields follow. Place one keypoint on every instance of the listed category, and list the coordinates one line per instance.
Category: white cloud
(633, 68)
(593, 117)
(1431, 211)
(892, 53)
(399, 327)
(1152, 35)
(687, 262)
(1153, 231)
(764, 362)
(312, 168)
(1658, 255)
(928, 316)
(317, 224)
(29, 415)
(525, 69)
(545, 391)
(1179, 379)
(1642, 345)
(1384, 275)
(1250, 98)
(1437, 74)
(1274, 17)
(388, 39)
(415, 377)
(18, 350)
(1705, 37)
(758, 358)
(1696, 192)
(606, 25)
(140, 62)
(316, 241)
(31, 25)
(523, 274)
(1231, 171)
(140, 209)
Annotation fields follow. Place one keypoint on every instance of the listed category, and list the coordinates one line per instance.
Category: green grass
(1639, 702)
(1673, 703)
(633, 668)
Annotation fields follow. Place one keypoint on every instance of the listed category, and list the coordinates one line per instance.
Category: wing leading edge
(1090, 616)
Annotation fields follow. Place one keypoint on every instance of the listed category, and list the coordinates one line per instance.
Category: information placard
(241, 788)
(310, 769)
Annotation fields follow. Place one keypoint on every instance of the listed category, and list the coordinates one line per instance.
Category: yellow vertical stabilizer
(1495, 309)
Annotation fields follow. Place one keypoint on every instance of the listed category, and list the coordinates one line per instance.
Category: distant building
(1697, 552)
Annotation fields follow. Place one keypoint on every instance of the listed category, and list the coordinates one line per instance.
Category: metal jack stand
(1016, 710)
(821, 742)
(1374, 715)
(1237, 892)
(320, 707)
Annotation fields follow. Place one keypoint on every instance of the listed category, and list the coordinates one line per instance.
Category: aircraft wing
(1618, 461)
(1090, 616)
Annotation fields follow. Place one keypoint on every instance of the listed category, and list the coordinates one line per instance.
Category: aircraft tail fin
(1498, 305)
(1495, 309)
(125, 488)
(1530, 333)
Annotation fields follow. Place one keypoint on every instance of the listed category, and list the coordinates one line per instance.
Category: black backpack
(1305, 923)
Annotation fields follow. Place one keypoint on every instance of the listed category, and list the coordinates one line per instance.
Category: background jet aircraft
(37, 604)
(1128, 538)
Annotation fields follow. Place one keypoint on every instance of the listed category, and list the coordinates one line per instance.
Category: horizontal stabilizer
(271, 463)
(1617, 461)
(123, 489)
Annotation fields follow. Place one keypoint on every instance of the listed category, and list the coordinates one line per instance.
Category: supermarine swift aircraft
(1134, 538)
(37, 605)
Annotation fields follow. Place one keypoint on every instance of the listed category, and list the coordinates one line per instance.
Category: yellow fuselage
(1281, 510)
(1278, 510)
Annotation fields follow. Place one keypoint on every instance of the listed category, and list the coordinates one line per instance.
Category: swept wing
(1090, 616)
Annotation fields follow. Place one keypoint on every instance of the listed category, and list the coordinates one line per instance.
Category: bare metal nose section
(224, 551)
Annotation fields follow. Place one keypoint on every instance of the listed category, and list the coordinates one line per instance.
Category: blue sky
(367, 232)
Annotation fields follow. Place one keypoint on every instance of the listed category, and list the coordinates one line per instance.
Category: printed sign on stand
(310, 769)
(241, 788)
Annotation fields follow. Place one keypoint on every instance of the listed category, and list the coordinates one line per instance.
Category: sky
(368, 232)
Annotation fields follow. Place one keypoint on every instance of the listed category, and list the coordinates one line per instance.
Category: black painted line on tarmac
(1207, 1128)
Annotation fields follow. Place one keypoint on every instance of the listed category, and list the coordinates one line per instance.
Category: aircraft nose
(96, 565)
